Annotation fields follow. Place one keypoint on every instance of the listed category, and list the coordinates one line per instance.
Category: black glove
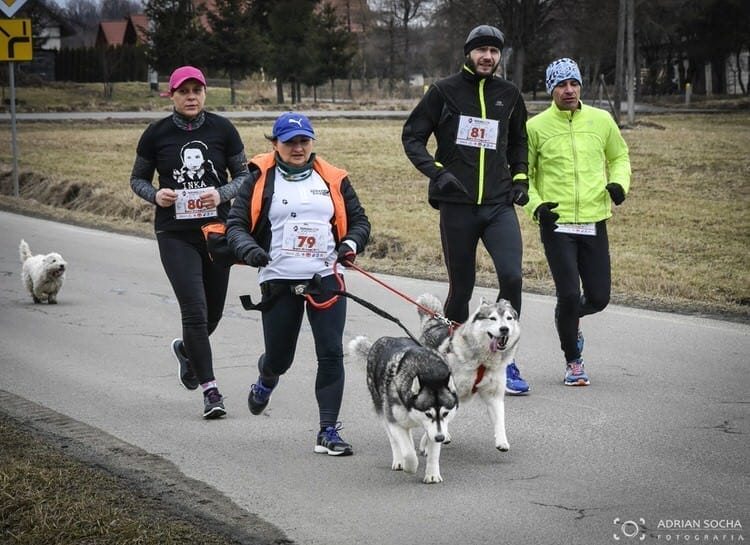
(519, 193)
(547, 218)
(616, 192)
(346, 255)
(445, 182)
(257, 257)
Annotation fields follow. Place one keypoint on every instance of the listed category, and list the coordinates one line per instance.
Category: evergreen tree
(176, 36)
(290, 37)
(333, 46)
(234, 41)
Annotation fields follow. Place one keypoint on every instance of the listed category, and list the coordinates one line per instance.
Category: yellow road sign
(10, 7)
(15, 39)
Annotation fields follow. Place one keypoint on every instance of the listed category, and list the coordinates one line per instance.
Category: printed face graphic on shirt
(196, 171)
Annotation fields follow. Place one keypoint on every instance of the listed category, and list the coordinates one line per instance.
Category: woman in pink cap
(200, 164)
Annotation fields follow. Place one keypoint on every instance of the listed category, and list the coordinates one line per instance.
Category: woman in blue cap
(296, 218)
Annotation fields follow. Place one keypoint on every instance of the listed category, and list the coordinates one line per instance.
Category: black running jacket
(484, 173)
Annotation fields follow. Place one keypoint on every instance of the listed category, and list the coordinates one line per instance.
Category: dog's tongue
(498, 343)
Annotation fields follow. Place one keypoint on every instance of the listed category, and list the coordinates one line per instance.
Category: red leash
(451, 323)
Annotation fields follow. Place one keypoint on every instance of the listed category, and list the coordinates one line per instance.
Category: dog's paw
(397, 465)
(411, 463)
(503, 447)
(432, 478)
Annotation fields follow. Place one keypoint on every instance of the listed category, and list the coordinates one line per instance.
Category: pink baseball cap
(184, 73)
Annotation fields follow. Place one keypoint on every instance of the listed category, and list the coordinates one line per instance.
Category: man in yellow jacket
(578, 166)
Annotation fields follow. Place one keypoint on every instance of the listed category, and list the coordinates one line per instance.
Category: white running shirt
(302, 241)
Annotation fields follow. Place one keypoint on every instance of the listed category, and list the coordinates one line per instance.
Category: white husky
(477, 352)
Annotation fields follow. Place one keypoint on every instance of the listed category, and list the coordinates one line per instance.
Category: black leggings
(281, 327)
(462, 226)
(576, 260)
(200, 288)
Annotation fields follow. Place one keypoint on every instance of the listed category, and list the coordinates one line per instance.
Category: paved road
(660, 435)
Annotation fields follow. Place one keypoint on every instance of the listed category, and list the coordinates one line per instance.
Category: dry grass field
(680, 240)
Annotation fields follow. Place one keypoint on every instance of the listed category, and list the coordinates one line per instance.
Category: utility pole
(619, 59)
(631, 63)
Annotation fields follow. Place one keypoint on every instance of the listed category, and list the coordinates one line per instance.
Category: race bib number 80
(189, 206)
(477, 132)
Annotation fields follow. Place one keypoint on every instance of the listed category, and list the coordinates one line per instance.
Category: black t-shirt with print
(189, 159)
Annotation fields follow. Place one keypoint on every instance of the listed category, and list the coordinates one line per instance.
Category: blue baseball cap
(292, 124)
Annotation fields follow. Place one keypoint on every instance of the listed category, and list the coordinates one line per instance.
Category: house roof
(138, 24)
(111, 33)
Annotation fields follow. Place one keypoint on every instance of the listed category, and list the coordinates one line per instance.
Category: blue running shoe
(575, 374)
(258, 398)
(330, 442)
(514, 384)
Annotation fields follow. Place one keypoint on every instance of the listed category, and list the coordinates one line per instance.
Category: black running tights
(576, 260)
(462, 226)
(201, 288)
(281, 327)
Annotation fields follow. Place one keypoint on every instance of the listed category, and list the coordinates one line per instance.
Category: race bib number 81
(477, 132)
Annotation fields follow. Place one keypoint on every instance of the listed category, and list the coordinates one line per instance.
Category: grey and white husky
(411, 387)
(477, 352)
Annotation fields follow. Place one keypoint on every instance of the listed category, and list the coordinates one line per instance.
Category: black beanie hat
(484, 35)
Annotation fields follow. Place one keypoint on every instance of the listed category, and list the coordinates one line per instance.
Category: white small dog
(43, 275)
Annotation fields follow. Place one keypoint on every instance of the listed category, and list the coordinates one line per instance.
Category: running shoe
(514, 384)
(575, 374)
(185, 372)
(330, 442)
(258, 398)
(213, 404)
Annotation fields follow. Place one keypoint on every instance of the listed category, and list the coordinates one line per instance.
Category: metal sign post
(14, 147)
(15, 45)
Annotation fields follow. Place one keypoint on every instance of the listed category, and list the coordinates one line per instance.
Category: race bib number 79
(305, 239)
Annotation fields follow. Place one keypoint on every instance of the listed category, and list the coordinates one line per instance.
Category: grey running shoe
(187, 377)
(213, 404)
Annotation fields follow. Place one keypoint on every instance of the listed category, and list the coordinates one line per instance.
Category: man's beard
(473, 67)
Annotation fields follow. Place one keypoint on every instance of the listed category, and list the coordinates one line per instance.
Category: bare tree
(397, 16)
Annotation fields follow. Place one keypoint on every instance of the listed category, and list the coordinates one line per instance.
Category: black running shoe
(331, 443)
(213, 404)
(187, 377)
(258, 398)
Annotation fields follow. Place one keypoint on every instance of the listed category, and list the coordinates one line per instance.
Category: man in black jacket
(478, 173)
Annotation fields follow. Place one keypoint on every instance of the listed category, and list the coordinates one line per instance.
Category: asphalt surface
(659, 438)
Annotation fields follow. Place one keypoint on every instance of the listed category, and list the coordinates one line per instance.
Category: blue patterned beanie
(560, 70)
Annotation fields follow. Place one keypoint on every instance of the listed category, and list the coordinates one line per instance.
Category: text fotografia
(699, 531)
